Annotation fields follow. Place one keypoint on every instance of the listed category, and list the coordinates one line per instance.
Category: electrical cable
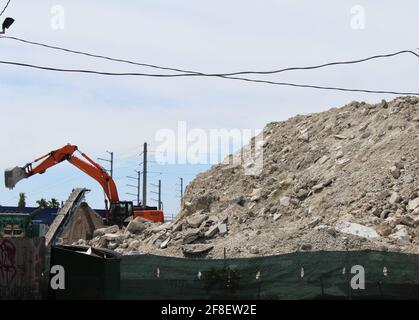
(5, 7)
(197, 73)
(224, 77)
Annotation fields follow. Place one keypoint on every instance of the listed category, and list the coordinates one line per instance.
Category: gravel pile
(344, 179)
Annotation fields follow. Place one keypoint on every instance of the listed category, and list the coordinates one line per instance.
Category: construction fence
(300, 275)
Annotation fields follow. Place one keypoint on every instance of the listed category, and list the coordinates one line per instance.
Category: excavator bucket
(13, 175)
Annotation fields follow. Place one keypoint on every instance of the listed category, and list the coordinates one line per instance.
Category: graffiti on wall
(21, 267)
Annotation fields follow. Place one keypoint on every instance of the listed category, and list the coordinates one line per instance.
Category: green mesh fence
(301, 275)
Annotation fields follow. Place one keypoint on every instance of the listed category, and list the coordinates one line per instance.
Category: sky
(42, 111)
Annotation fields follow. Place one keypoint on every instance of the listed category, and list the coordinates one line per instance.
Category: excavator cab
(119, 211)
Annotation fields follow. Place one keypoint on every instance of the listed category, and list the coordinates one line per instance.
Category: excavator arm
(118, 211)
(88, 166)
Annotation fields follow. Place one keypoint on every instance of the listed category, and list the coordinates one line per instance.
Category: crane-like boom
(87, 165)
(118, 210)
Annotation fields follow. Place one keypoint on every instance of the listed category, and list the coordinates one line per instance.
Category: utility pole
(145, 175)
(138, 186)
(110, 161)
(181, 189)
(158, 194)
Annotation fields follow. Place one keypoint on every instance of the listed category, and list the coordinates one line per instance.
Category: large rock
(384, 230)
(163, 227)
(212, 231)
(395, 198)
(413, 204)
(102, 231)
(190, 236)
(201, 203)
(137, 225)
(284, 201)
(112, 237)
(196, 220)
(401, 234)
(256, 194)
(164, 244)
(196, 249)
(222, 228)
(395, 172)
(356, 229)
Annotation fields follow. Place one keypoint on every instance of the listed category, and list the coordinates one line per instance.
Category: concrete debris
(323, 160)
(190, 236)
(395, 172)
(356, 229)
(196, 249)
(195, 220)
(137, 225)
(413, 204)
(340, 137)
(212, 231)
(222, 228)
(285, 201)
(277, 216)
(343, 179)
(402, 235)
(164, 244)
(395, 198)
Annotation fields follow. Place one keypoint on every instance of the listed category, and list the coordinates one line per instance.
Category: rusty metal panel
(21, 266)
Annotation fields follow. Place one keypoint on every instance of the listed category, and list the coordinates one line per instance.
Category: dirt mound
(344, 179)
(82, 225)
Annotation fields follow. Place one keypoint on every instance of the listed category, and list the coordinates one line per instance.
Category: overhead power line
(225, 76)
(198, 73)
(5, 7)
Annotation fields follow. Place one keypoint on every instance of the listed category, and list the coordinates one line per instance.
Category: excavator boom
(118, 211)
(87, 165)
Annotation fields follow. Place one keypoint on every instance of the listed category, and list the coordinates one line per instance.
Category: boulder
(196, 249)
(102, 231)
(222, 228)
(277, 216)
(401, 234)
(395, 198)
(256, 194)
(395, 172)
(112, 245)
(356, 229)
(284, 201)
(413, 204)
(212, 231)
(384, 230)
(112, 237)
(340, 137)
(196, 220)
(164, 244)
(323, 159)
(254, 250)
(137, 225)
(190, 236)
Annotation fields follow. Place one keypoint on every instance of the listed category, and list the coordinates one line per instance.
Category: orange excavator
(116, 211)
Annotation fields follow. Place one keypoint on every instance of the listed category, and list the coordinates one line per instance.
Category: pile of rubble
(344, 179)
